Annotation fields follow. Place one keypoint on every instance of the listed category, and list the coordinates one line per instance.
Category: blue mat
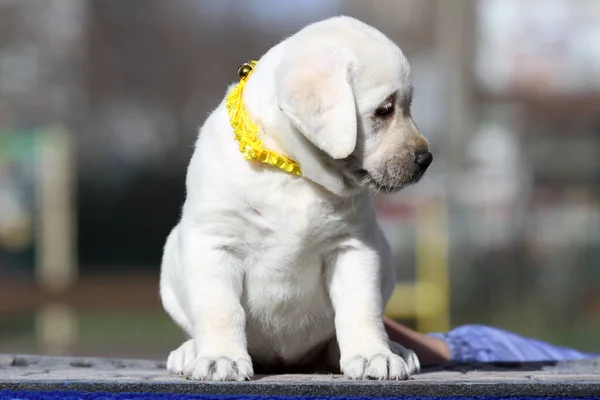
(42, 395)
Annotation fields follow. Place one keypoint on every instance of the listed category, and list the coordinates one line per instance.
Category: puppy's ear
(315, 93)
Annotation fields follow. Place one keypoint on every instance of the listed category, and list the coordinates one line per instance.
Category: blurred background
(100, 101)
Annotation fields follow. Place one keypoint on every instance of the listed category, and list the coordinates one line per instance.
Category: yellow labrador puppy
(272, 268)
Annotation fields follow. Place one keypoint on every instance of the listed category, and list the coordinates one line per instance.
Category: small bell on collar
(244, 69)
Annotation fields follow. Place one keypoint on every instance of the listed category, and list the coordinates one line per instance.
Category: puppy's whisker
(397, 178)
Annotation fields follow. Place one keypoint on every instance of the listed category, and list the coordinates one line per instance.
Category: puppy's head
(347, 88)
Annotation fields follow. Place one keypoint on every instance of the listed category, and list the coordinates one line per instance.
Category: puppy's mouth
(386, 183)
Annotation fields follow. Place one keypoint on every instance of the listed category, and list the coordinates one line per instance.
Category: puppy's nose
(424, 159)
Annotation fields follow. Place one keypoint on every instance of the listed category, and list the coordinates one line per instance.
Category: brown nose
(424, 159)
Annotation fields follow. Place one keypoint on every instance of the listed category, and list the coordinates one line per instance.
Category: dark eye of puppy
(387, 108)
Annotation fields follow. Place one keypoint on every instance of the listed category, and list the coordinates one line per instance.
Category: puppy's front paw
(381, 366)
(409, 357)
(179, 358)
(219, 369)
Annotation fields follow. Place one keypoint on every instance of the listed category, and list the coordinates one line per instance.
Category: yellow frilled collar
(246, 131)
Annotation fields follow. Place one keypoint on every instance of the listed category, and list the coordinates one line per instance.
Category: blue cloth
(480, 343)
(58, 395)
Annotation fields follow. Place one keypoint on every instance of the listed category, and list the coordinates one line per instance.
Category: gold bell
(244, 70)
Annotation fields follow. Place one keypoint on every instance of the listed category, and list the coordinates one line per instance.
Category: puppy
(267, 268)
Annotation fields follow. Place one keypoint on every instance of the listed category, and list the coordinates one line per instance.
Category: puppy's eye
(385, 110)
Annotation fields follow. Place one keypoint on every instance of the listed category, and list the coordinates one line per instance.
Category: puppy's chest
(285, 226)
(285, 292)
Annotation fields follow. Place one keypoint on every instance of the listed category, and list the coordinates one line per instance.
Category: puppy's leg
(354, 289)
(214, 280)
(170, 263)
(186, 352)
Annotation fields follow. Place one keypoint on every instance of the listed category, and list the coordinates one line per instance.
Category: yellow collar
(246, 131)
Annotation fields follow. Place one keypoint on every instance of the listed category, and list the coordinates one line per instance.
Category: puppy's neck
(280, 135)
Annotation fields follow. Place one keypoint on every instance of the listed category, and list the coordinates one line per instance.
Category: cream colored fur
(269, 268)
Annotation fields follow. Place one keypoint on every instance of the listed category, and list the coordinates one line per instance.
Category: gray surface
(578, 378)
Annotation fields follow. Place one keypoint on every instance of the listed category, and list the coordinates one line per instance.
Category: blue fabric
(480, 343)
(39, 395)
